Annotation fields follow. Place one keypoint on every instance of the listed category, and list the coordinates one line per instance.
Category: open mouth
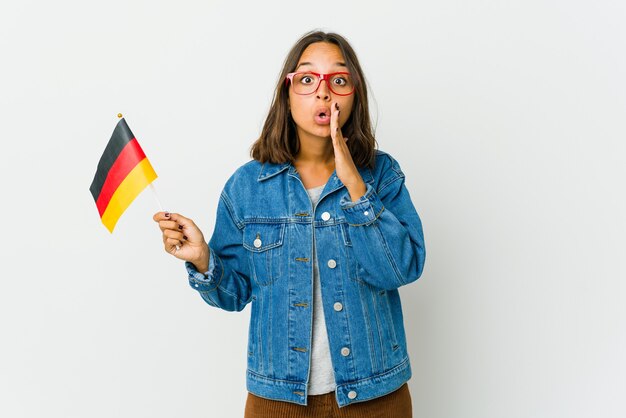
(322, 118)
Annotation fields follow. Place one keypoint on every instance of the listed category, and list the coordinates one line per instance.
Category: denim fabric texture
(261, 254)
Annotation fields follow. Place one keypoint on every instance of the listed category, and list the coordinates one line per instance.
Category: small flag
(123, 172)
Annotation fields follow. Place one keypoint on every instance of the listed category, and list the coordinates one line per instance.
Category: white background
(506, 116)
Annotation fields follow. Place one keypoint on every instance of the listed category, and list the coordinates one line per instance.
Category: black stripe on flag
(122, 135)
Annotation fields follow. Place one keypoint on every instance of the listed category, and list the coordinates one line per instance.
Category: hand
(183, 239)
(344, 165)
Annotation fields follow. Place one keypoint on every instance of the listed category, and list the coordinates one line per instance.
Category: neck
(316, 152)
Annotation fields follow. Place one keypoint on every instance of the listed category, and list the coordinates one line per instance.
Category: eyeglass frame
(322, 77)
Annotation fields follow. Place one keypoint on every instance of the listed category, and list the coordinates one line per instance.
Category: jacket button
(345, 351)
(332, 263)
(257, 243)
(366, 213)
(325, 216)
(338, 306)
(352, 394)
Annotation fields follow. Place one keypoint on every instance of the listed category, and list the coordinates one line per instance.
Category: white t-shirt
(322, 377)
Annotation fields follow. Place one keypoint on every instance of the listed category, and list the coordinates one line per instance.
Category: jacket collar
(268, 170)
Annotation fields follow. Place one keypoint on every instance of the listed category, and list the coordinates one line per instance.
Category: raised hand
(344, 165)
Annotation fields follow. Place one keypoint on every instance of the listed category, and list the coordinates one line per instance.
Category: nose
(323, 92)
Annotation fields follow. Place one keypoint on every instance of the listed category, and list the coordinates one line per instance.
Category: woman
(318, 232)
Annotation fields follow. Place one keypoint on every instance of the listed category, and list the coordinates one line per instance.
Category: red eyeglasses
(308, 82)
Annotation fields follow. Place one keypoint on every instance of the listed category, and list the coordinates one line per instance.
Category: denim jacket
(261, 253)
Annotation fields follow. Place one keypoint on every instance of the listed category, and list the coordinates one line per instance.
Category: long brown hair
(279, 142)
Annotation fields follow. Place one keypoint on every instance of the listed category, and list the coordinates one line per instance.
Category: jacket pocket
(353, 266)
(264, 243)
(389, 328)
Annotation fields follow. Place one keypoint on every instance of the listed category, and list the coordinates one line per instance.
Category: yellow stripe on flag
(142, 175)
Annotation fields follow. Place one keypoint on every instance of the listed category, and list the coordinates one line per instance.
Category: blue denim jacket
(261, 251)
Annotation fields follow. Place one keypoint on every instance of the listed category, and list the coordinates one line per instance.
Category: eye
(340, 80)
(306, 79)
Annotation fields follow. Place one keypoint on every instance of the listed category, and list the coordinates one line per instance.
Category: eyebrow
(340, 64)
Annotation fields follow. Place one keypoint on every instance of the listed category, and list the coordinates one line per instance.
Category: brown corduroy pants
(396, 404)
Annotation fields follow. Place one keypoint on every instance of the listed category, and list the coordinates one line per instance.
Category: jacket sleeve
(386, 232)
(226, 284)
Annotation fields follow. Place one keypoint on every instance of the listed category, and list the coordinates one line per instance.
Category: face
(311, 113)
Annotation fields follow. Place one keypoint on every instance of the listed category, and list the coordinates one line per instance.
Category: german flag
(123, 172)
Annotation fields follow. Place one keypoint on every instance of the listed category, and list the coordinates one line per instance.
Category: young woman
(317, 232)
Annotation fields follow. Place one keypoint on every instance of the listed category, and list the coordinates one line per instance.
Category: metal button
(338, 306)
(352, 394)
(366, 213)
(332, 263)
(345, 351)
(325, 216)
(257, 243)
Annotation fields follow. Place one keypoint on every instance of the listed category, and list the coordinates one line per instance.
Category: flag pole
(156, 196)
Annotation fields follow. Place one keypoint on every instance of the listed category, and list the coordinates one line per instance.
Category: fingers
(172, 237)
(161, 216)
(171, 246)
(181, 237)
(168, 216)
(168, 220)
(339, 142)
(335, 130)
(169, 225)
(177, 217)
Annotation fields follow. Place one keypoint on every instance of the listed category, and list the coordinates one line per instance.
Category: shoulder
(243, 177)
(251, 169)
(252, 175)
(240, 186)
(386, 169)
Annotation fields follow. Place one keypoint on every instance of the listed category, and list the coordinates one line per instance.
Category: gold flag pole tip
(119, 115)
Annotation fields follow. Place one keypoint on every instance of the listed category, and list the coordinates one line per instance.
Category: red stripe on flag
(129, 157)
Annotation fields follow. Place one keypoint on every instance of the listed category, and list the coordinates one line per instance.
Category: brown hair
(279, 142)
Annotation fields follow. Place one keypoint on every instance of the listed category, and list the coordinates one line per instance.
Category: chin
(318, 131)
(321, 133)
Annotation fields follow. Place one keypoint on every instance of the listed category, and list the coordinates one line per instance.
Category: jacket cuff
(365, 210)
(206, 281)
